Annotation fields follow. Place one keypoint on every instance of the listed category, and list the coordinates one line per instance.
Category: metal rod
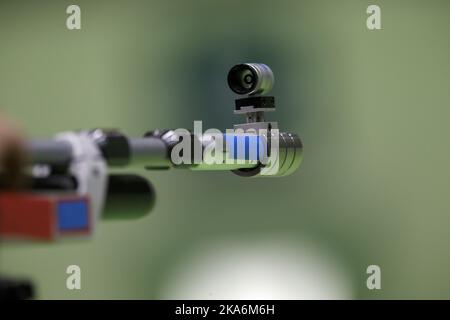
(151, 152)
(148, 152)
(51, 152)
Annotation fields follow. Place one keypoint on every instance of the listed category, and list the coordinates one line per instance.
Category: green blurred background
(372, 108)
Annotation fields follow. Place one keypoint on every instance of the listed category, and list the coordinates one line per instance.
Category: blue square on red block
(72, 215)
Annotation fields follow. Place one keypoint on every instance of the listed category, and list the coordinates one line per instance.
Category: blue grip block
(245, 147)
(72, 215)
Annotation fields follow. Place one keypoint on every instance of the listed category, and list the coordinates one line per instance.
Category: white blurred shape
(258, 269)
